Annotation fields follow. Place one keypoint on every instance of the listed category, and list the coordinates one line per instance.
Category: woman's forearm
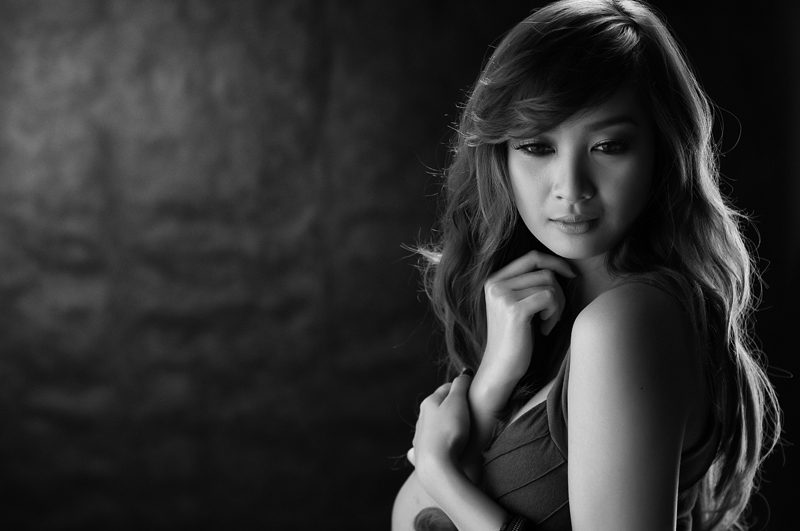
(465, 504)
(487, 398)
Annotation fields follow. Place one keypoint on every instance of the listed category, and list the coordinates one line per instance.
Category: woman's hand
(442, 432)
(440, 439)
(514, 295)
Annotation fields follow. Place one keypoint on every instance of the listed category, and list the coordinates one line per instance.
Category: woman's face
(580, 186)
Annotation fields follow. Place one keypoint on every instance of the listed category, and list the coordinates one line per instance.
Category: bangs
(539, 78)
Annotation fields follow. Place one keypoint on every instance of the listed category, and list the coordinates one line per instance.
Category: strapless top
(525, 467)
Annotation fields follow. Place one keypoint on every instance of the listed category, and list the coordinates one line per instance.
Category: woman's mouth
(575, 224)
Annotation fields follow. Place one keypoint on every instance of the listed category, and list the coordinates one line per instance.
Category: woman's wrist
(490, 392)
(435, 473)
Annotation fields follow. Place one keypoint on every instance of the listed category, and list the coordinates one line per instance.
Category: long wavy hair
(573, 55)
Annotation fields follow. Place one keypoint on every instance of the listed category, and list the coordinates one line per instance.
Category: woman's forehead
(623, 106)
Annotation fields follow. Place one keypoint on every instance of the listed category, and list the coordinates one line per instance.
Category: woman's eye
(535, 148)
(612, 147)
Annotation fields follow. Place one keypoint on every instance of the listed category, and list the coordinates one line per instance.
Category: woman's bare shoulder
(634, 295)
(631, 396)
(637, 337)
(638, 332)
(636, 311)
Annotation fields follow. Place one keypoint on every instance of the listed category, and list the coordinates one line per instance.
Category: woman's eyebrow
(613, 120)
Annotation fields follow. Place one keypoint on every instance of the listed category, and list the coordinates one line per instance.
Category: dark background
(207, 320)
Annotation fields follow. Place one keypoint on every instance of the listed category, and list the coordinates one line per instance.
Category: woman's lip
(581, 225)
(575, 218)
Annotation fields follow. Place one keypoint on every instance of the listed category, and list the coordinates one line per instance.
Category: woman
(594, 279)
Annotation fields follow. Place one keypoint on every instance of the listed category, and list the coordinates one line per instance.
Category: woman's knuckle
(494, 290)
(489, 287)
(505, 298)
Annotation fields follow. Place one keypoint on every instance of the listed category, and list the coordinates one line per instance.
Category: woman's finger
(410, 456)
(443, 390)
(534, 260)
(558, 303)
(547, 303)
(550, 323)
(539, 278)
(460, 385)
(437, 396)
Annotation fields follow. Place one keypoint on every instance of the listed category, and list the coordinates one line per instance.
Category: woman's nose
(572, 182)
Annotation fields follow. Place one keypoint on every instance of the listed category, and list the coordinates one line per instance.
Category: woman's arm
(441, 436)
(628, 405)
(410, 500)
(514, 295)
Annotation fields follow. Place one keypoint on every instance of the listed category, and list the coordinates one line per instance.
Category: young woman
(595, 280)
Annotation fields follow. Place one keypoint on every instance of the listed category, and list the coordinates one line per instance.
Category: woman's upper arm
(627, 408)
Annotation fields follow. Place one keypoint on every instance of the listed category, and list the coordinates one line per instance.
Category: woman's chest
(535, 400)
(525, 472)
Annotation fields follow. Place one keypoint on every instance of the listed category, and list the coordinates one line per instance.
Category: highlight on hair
(570, 56)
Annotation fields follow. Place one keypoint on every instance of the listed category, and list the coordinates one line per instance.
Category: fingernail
(468, 372)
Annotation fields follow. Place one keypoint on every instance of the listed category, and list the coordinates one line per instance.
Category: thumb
(461, 383)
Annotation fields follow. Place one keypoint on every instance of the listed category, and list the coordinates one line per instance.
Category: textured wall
(205, 303)
(206, 317)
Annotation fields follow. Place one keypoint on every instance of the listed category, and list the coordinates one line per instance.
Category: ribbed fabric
(525, 468)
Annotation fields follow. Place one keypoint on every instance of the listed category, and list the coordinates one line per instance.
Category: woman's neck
(592, 280)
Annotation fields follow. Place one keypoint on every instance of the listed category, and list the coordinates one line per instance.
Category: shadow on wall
(206, 316)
